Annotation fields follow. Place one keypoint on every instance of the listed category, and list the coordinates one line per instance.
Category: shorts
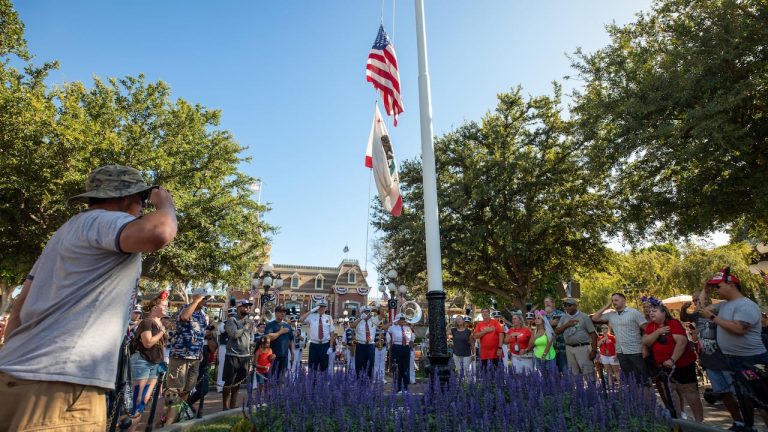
(27, 405)
(142, 369)
(235, 370)
(182, 374)
(722, 381)
(685, 375)
(609, 360)
(261, 378)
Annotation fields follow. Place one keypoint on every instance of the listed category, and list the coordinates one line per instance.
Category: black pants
(202, 386)
(633, 364)
(318, 356)
(279, 366)
(401, 356)
(484, 364)
(365, 355)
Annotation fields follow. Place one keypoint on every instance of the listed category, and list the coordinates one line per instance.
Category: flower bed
(493, 402)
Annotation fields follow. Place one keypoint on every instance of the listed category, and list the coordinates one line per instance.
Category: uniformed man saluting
(322, 340)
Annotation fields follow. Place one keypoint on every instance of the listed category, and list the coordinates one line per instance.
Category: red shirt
(663, 351)
(608, 348)
(489, 342)
(263, 361)
(523, 339)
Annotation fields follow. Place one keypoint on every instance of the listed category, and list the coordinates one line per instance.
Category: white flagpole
(431, 222)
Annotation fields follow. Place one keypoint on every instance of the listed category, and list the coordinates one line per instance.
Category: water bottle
(517, 347)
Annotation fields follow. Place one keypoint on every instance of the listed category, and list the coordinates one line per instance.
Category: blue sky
(290, 79)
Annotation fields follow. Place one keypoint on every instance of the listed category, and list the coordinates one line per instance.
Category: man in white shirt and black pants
(322, 336)
(401, 343)
(365, 330)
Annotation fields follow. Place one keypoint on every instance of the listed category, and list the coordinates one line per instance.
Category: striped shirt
(627, 328)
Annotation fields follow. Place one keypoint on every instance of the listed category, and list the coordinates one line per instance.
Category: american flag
(381, 71)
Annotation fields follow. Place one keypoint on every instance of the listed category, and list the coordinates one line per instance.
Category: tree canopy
(674, 113)
(516, 204)
(52, 137)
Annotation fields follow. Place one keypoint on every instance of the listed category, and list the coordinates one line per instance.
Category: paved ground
(714, 415)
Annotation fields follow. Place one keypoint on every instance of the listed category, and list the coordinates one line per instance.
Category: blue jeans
(546, 365)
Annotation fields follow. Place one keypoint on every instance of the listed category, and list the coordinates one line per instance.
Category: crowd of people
(723, 343)
(67, 332)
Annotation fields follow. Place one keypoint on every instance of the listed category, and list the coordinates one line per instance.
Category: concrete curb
(691, 426)
(189, 424)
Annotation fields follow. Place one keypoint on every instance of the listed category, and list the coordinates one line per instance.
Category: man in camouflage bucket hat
(112, 181)
(65, 331)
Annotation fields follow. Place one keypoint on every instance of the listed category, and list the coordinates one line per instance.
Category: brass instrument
(412, 312)
(268, 311)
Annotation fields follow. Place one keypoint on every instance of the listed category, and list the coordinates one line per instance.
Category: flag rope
(368, 222)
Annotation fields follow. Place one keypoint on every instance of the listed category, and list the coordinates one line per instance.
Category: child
(264, 358)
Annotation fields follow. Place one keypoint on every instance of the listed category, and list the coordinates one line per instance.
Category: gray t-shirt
(578, 334)
(749, 344)
(78, 306)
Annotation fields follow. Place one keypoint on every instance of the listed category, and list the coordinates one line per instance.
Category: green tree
(674, 109)
(50, 139)
(517, 206)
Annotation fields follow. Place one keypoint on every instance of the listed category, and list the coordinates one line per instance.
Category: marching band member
(349, 343)
(298, 346)
(380, 342)
(412, 374)
(401, 344)
(364, 327)
(322, 336)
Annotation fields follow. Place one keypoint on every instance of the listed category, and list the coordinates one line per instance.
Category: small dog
(176, 408)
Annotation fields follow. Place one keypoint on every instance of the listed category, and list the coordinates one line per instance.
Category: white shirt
(396, 334)
(372, 323)
(314, 327)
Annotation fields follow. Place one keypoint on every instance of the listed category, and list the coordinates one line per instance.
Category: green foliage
(649, 272)
(51, 138)
(517, 206)
(674, 113)
(11, 32)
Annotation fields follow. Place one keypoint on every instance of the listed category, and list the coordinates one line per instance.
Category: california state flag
(381, 158)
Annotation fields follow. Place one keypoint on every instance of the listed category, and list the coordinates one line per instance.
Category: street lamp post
(266, 279)
(388, 284)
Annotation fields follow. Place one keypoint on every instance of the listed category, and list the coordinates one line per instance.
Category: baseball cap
(365, 309)
(495, 314)
(137, 308)
(724, 275)
(322, 303)
(400, 316)
(529, 315)
(570, 300)
(245, 302)
(112, 181)
(232, 311)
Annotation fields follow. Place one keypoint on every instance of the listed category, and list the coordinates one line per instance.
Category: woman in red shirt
(519, 337)
(667, 338)
(607, 346)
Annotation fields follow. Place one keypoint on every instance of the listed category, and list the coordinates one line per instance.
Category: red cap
(723, 276)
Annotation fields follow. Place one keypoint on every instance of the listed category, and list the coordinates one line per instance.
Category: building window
(295, 281)
(293, 307)
(351, 277)
(319, 282)
(351, 306)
